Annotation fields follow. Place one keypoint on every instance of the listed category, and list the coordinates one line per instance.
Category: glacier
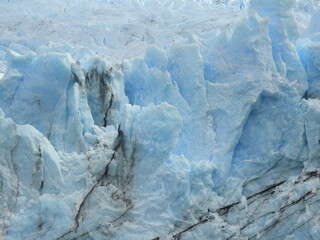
(146, 119)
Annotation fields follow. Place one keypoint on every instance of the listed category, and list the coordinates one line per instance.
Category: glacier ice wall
(149, 120)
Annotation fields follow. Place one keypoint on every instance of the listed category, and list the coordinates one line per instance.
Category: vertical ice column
(283, 33)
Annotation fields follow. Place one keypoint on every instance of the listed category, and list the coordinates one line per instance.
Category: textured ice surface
(160, 119)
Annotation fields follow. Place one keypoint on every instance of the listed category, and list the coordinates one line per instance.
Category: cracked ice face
(159, 120)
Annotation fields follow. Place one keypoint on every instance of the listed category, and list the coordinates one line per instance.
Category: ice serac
(176, 77)
(46, 84)
(308, 49)
(211, 132)
(246, 77)
(31, 181)
(283, 33)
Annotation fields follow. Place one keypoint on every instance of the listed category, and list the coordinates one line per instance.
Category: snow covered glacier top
(160, 119)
